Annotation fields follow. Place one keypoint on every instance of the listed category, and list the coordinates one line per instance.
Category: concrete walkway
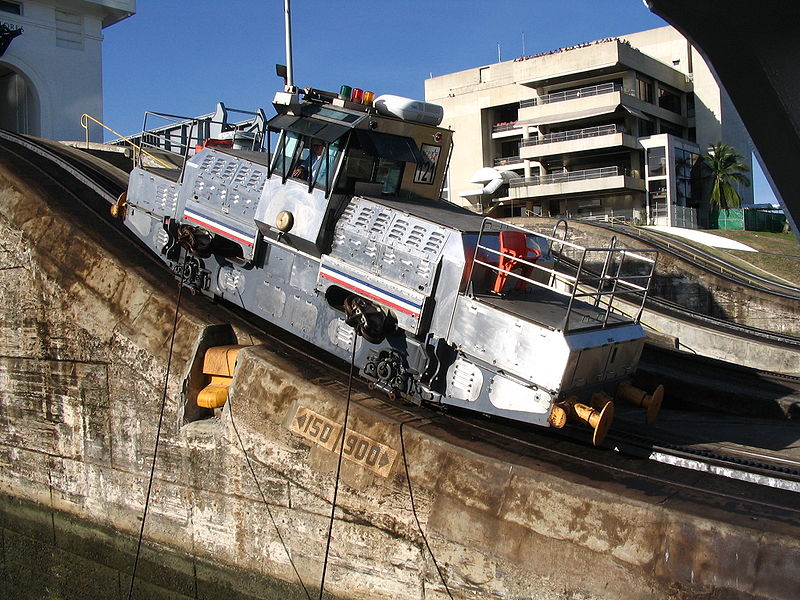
(709, 239)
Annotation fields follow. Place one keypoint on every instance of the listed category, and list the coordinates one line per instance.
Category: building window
(69, 30)
(671, 129)
(646, 128)
(485, 74)
(687, 166)
(10, 7)
(669, 100)
(657, 162)
(644, 90)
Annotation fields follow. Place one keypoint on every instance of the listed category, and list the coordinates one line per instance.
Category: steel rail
(46, 152)
(703, 260)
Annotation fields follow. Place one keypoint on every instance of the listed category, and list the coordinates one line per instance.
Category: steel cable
(158, 430)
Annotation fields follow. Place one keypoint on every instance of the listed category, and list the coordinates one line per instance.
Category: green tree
(726, 171)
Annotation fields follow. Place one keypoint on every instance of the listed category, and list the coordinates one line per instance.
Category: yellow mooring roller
(218, 364)
(599, 418)
(650, 402)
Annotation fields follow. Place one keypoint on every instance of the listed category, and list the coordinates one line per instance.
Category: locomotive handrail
(185, 133)
(582, 285)
(85, 124)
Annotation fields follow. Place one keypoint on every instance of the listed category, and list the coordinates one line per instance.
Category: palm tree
(726, 170)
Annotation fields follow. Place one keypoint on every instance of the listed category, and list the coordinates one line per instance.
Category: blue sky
(182, 56)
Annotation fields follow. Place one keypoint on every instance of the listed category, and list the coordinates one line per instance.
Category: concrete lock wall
(84, 339)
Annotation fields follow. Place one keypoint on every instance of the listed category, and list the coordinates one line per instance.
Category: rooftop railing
(576, 134)
(567, 176)
(592, 90)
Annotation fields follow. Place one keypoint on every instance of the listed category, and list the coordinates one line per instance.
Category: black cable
(416, 518)
(338, 467)
(158, 430)
(264, 499)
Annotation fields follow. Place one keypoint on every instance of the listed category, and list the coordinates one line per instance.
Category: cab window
(286, 153)
(368, 174)
(307, 159)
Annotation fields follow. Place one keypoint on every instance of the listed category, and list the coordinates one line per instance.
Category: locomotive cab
(329, 149)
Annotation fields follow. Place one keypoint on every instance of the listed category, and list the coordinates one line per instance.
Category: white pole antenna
(498, 53)
(287, 14)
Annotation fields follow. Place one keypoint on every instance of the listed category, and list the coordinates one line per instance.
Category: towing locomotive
(336, 232)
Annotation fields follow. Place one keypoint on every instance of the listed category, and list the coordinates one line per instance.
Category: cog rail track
(726, 460)
(761, 470)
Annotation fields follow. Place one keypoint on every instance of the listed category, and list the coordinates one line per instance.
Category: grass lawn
(778, 253)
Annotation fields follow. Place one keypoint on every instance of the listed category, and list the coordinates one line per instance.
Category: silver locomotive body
(339, 231)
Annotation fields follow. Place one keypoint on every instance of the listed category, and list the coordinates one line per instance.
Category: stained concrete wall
(84, 334)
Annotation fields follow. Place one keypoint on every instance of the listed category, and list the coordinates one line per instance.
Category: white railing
(567, 176)
(585, 92)
(599, 277)
(506, 160)
(575, 134)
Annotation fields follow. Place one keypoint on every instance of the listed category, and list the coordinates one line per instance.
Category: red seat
(513, 246)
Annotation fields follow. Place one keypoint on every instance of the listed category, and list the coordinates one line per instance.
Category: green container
(728, 219)
(764, 220)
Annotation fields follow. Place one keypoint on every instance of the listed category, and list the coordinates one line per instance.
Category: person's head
(317, 147)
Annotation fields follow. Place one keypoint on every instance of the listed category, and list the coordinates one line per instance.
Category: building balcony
(602, 179)
(575, 134)
(506, 126)
(577, 140)
(576, 108)
(586, 92)
(505, 163)
(588, 102)
(509, 129)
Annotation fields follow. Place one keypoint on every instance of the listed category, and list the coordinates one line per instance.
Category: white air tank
(408, 109)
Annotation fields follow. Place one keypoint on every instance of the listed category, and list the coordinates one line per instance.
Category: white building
(51, 64)
(608, 128)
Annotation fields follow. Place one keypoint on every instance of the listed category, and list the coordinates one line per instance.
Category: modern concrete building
(51, 63)
(608, 128)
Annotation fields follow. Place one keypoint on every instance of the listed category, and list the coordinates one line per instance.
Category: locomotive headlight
(284, 221)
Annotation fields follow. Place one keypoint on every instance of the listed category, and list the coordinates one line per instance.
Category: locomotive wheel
(366, 318)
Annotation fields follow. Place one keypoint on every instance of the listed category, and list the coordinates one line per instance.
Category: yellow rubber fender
(219, 364)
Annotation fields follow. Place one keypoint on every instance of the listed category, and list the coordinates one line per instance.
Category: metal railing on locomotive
(182, 134)
(85, 118)
(624, 273)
